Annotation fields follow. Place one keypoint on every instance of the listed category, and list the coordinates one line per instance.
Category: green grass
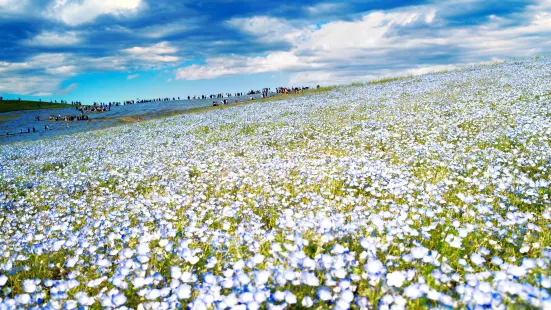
(15, 105)
(388, 79)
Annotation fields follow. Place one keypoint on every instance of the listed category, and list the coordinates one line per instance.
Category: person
(28, 130)
(34, 129)
(7, 133)
(20, 131)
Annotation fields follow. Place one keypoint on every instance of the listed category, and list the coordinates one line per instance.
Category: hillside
(423, 192)
(15, 105)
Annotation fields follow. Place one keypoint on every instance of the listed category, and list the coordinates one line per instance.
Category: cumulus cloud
(42, 94)
(12, 6)
(74, 12)
(216, 67)
(25, 85)
(402, 41)
(164, 30)
(48, 70)
(157, 53)
(326, 42)
(67, 89)
(265, 28)
(324, 8)
(53, 39)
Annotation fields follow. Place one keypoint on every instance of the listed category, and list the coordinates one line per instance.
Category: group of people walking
(225, 101)
(291, 90)
(68, 118)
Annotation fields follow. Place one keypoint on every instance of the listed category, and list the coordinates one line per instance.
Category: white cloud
(155, 53)
(216, 67)
(262, 25)
(323, 8)
(159, 48)
(268, 29)
(53, 39)
(74, 12)
(62, 70)
(66, 90)
(403, 41)
(25, 85)
(42, 94)
(50, 69)
(161, 31)
(13, 6)
(132, 76)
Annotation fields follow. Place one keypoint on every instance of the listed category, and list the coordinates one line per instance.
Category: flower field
(423, 192)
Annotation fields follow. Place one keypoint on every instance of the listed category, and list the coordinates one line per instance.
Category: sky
(114, 50)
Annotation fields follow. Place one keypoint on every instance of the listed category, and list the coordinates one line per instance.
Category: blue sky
(107, 50)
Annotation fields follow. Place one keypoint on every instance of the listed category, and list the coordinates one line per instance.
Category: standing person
(28, 130)
(34, 129)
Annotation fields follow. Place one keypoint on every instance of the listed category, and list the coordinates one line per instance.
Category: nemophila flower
(497, 260)
(3, 280)
(290, 298)
(413, 291)
(307, 302)
(29, 286)
(395, 278)
(118, 299)
(374, 267)
(324, 294)
(175, 272)
(84, 299)
(419, 252)
(517, 271)
(183, 291)
(309, 279)
(477, 259)
(23, 299)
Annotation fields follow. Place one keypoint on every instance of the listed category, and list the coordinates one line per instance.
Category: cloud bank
(382, 43)
(46, 43)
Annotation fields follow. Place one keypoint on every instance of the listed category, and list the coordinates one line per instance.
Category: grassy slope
(15, 105)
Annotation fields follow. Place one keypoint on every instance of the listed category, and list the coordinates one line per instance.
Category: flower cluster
(431, 191)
